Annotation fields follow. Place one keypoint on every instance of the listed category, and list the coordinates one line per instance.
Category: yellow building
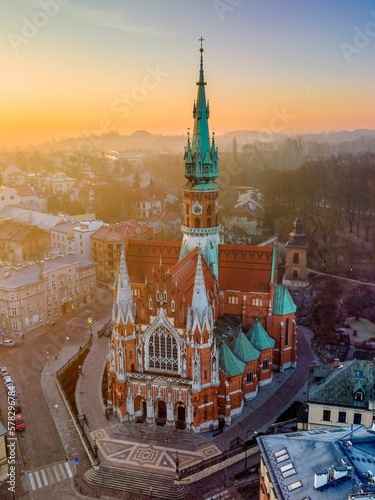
(342, 394)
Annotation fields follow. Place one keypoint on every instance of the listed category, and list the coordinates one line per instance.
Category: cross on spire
(201, 39)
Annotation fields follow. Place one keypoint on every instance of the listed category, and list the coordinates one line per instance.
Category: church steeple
(123, 305)
(201, 228)
(201, 156)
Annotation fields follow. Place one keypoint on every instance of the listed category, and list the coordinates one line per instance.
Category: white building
(82, 235)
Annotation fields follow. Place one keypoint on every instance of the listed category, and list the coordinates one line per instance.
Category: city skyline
(73, 70)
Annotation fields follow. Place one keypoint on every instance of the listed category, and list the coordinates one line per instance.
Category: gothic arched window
(197, 223)
(295, 258)
(163, 350)
(265, 364)
(209, 210)
(249, 377)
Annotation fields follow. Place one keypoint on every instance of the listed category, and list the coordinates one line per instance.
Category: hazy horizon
(73, 70)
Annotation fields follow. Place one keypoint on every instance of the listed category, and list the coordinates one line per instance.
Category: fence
(238, 446)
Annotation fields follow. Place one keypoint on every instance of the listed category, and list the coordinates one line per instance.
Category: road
(40, 446)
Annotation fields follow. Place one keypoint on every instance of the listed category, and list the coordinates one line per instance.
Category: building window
(197, 223)
(358, 396)
(265, 364)
(209, 210)
(249, 377)
(83, 288)
(29, 307)
(55, 298)
(14, 311)
(15, 327)
(327, 415)
(37, 289)
(205, 399)
(357, 418)
(150, 303)
(173, 306)
(27, 292)
(163, 350)
(47, 286)
(342, 417)
(208, 222)
(205, 414)
(295, 274)
(53, 284)
(295, 258)
(48, 300)
(38, 304)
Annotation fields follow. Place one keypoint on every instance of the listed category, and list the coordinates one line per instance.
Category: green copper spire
(201, 159)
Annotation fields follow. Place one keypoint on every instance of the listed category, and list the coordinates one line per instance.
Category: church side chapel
(198, 326)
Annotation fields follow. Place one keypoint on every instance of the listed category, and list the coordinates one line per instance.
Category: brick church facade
(169, 362)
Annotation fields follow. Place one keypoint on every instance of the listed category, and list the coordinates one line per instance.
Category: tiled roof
(25, 190)
(228, 362)
(259, 337)
(340, 384)
(282, 301)
(243, 349)
(11, 230)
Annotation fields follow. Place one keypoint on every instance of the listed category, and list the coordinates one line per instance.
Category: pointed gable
(243, 349)
(282, 301)
(259, 337)
(228, 362)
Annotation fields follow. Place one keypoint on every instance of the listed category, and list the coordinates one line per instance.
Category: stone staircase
(145, 483)
(162, 434)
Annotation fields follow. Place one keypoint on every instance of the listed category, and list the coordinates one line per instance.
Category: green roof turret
(202, 165)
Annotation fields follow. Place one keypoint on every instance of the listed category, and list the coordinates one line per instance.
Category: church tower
(201, 228)
(296, 258)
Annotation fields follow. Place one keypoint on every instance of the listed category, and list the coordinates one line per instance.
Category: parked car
(8, 381)
(107, 333)
(8, 343)
(3, 371)
(12, 391)
(339, 329)
(19, 422)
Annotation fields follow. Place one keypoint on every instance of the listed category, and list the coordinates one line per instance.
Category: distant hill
(364, 140)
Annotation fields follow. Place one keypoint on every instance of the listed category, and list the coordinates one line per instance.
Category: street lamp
(247, 433)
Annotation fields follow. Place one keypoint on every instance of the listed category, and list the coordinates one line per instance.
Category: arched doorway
(180, 416)
(140, 409)
(161, 412)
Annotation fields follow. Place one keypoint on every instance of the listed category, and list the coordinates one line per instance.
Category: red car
(19, 423)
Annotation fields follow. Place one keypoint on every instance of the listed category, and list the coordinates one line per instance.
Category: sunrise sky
(71, 67)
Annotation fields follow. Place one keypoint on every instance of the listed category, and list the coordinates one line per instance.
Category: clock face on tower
(197, 209)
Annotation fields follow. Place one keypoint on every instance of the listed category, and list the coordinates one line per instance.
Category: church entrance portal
(180, 416)
(161, 413)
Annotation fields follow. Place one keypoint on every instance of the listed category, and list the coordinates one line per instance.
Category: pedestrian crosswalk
(49, 475)
(79, 322)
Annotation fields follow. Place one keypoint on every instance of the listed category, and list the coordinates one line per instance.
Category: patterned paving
(121, 451)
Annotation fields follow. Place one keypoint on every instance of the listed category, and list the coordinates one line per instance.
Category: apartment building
(38, 294)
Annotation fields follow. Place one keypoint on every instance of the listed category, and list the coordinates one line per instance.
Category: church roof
(145, 256)
(282, 301)
(245, 267)
(259, 337)
(243, 349)
(228, 362)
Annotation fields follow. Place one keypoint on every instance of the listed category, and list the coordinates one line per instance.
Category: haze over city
(72, 68)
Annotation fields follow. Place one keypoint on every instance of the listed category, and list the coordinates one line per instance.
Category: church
(198, 326)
